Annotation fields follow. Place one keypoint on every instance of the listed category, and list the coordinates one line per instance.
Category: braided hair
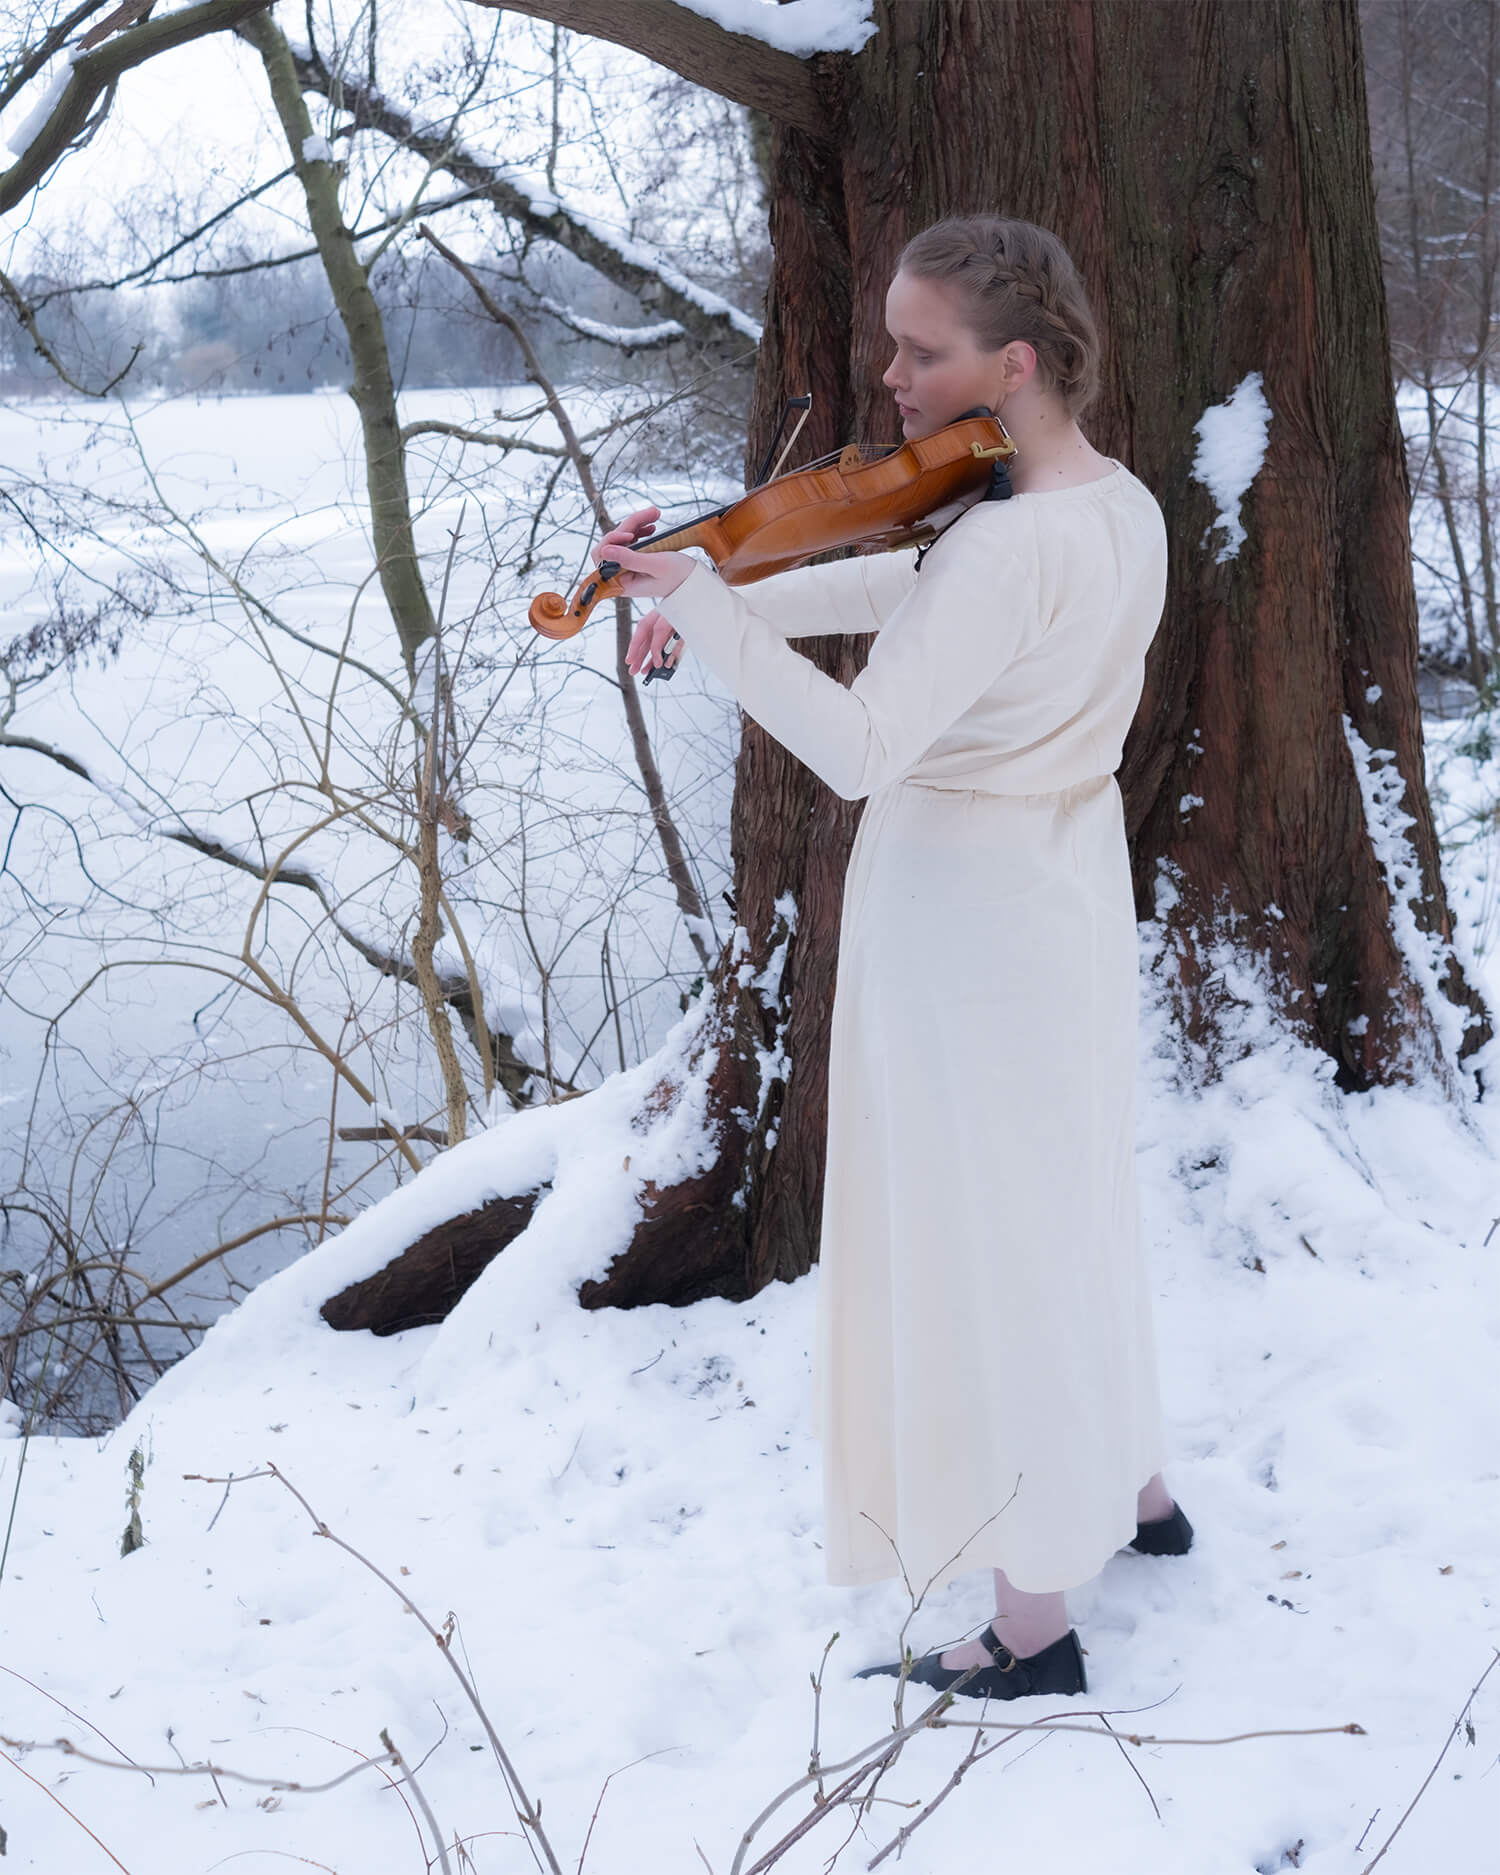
(1014, 280)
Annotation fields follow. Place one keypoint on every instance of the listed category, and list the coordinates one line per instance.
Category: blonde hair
(1014, 280)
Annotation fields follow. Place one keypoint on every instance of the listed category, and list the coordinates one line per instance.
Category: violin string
(871, 452)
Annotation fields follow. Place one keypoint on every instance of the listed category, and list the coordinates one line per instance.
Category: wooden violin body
(846, 502)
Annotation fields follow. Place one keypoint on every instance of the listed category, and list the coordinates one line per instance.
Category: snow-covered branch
(748, 50)
(531, 205)
(630, 339)
(32, 59)
(90, 76)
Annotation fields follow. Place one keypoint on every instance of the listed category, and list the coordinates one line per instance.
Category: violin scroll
(549, 616)
(553, 617)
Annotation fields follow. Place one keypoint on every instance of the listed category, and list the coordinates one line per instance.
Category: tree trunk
(1209, 169)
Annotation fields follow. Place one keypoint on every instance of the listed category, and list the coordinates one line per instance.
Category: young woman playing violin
(986, 1372)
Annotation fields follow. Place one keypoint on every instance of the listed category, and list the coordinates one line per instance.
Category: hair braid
(1016, 281)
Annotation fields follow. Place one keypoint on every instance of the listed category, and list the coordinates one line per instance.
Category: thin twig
(423, 1805)
(1453, 1733)
(70, 1750)
(69, 1710)
(599, 1802)
(528, 1813)
(58, 1800)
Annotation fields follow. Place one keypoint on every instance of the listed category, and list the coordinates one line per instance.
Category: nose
(890, 379)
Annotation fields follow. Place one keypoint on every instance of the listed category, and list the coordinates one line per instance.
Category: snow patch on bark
(1231, 448)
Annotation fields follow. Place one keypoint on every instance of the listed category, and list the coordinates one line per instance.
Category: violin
(880, 501)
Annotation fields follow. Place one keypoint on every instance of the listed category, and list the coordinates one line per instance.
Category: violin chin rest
(550, 616)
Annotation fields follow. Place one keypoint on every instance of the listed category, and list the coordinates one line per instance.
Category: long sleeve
(854, 595)
(943, 646)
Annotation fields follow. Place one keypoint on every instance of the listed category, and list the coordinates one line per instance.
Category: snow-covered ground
(620, 1513)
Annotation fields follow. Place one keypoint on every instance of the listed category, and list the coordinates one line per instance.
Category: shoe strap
(1004, 1660)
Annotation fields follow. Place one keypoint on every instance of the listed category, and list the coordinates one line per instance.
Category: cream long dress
(986, 1373)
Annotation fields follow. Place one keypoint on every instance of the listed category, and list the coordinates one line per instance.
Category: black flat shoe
(1164, 1536)
(1056, 1669)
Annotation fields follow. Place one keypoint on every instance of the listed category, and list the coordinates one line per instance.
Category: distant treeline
(275, 328)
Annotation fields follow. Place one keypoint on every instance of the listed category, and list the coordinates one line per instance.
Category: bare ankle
(1153, 1501)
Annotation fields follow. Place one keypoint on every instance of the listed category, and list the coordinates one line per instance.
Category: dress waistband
(1090, 785)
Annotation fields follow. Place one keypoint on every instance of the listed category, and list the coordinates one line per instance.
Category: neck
(1051, 450)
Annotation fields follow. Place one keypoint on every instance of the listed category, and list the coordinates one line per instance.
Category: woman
(986, 1376)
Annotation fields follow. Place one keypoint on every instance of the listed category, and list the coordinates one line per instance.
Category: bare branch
(529, 1813)
(736, 65)
(124, 15)
(234, 1243)
(94, 73)
(11, 293)
(676, 862)
(1453, 1733)
(495, 439)
(70, 1750)
(367, 1135)
(457, 991)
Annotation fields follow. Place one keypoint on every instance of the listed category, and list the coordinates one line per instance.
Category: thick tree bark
(1209, 168)
(420, 1286)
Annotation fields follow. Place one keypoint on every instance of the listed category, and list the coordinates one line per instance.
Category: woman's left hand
(642, 575)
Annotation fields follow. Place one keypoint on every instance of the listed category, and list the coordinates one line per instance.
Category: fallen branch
(70, 1750)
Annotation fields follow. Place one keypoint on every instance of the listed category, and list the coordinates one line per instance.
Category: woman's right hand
(646, 645)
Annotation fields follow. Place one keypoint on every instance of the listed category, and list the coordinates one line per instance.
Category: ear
(1018, 364)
